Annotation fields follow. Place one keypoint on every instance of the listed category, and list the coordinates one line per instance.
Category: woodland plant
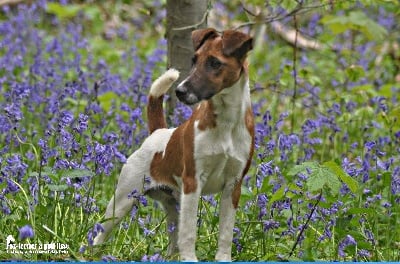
(325, 179)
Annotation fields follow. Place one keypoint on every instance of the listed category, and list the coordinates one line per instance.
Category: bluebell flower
(26, 232)
(347, 241)
(97, 229)
(108, 258)
(363, 253)
(82, 249)
(154, 258)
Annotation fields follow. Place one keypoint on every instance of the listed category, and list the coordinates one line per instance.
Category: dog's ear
(236, 44)
(199, 36)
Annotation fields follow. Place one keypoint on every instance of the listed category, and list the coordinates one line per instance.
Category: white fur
(164, 82)
(221, 155)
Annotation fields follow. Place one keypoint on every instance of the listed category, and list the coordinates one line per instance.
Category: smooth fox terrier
(209, 153)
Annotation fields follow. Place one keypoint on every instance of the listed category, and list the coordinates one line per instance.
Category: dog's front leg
(188, 223)
(227, 213)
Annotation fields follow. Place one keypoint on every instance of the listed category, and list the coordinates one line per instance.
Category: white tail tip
(161, 85)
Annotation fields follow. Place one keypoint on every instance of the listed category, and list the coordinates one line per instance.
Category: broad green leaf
(322, 177)
(63, 11)
(344, 177)
(357, 210)
(303, 167)
(279, 194)
(76, 173)
(57, 187)
(355, 20)
(106, 100)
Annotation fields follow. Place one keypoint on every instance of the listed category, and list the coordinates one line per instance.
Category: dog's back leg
(169, 200)
(130, 186)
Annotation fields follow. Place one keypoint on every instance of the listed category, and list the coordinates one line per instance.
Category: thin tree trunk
(183, 16)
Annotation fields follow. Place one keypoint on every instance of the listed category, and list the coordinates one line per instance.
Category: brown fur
(155, 113)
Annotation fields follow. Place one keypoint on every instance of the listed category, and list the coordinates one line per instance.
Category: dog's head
(217, 63)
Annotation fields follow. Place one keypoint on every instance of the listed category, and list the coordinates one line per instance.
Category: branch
(305, 225)
(194, 26)
(287, 33)
(294, 37)
(10, 2)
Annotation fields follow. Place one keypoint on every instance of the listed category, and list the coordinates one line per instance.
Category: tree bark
(183, 16)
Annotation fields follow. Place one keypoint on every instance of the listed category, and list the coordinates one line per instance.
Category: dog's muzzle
(184, 95)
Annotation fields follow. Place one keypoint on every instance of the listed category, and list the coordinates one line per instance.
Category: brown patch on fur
(206, 115)
(155, 113)
(249, 120)
(178, 159)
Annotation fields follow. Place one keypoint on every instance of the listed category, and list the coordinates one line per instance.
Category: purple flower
(26, 232)
(82, 123)
(154, 258)
(363, 253)
(108, 258)
(347, 241)
(141, 198)
(97, 228)
(270, 225)
(82, 249)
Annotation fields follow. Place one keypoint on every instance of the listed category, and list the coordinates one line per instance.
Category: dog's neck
(232, 102)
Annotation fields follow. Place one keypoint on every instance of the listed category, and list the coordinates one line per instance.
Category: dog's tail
(155, 112)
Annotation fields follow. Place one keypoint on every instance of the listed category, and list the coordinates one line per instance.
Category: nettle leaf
(302, 168)
(344, 177)
(328, 175)
(322, 177)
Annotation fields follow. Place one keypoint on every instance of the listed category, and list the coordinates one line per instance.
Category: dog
(209, 153)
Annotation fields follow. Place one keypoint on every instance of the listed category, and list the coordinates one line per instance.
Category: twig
(10, 2)
(305, 225)
(293, 35)
(194, 26)
(298, 10)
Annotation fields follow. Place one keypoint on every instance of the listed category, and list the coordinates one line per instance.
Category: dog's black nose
(181, 91)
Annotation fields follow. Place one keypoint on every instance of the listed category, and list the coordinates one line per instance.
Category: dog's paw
(164, 82)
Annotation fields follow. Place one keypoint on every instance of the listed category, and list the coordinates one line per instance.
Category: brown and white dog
(209, 153)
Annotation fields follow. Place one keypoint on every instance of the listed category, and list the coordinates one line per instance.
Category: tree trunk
(183, 16)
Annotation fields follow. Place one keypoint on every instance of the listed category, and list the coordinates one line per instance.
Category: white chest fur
(221, 152)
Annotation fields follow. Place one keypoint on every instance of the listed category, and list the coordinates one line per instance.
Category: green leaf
(322, 177)
(303, 167)
(344, 177)
(63, 11)
(106, 100)
(279, 194)
(76, 173)
(57, 187)
(355, 20)
(355, 72)
(356, 210)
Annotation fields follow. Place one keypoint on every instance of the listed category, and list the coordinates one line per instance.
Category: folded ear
(236, 44)
(199, 36)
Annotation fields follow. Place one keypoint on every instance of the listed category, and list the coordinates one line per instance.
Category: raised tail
(155, 111)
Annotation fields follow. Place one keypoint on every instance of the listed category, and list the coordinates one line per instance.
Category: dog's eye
(214, 63)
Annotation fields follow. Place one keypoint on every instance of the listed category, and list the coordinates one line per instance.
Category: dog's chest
(220, 155)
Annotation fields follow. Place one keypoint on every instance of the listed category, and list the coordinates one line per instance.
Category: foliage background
(325, 179)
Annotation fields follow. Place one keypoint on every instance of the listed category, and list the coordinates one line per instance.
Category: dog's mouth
(187, 98)
(190, 98)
